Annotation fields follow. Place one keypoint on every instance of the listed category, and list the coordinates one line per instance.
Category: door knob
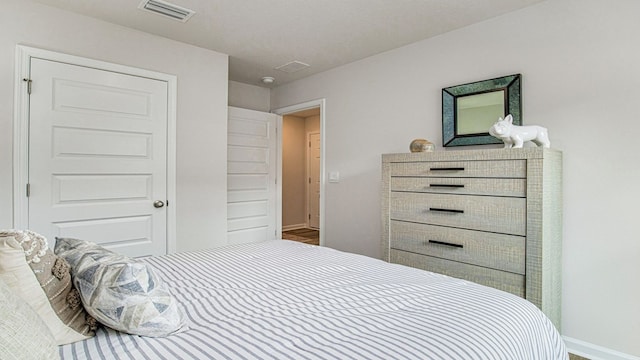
(158, 203)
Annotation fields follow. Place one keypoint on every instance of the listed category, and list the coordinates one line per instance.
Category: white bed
(286, 300)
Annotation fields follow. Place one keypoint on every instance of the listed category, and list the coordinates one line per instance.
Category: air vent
(292, 66)
(166, 9)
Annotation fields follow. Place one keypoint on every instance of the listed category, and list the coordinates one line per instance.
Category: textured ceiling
(260, 35)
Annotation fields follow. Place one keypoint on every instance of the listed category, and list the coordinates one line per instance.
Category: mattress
(286, 300)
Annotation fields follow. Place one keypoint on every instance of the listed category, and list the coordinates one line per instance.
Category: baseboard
(294, 227)
(594, 352)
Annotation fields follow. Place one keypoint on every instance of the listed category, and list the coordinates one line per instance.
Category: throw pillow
(23, 335)
(42, 279)
(120, 292)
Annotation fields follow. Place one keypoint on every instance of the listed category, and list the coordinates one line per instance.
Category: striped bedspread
(286, 300)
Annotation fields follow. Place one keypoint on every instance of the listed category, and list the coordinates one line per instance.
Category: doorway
(301, 169)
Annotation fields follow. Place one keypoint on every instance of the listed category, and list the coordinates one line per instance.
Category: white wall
(581, 79)
(248, 96)
(201, 108)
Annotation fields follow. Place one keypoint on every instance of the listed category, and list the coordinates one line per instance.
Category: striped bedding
(285, 300)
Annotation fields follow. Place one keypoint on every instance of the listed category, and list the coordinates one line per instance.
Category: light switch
(334, 176)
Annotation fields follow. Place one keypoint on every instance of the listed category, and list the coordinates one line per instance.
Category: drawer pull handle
(446, 243)
(447, 185)
(447, 169)
(447, 210)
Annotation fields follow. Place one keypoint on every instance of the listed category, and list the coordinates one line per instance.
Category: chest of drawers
(489, 216)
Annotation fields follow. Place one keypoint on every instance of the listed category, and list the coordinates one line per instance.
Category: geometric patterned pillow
(121, 293)
(42, 279)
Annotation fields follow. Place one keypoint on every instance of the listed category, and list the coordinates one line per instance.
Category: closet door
(98, 157)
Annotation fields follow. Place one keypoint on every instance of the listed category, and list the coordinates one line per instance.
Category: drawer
(470, 186)
(506, 281)
(495, 214)
(486, 168)
(496, 251)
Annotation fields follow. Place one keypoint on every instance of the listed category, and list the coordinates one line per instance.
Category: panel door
(97, 157)
(251, 176)
(313, 192)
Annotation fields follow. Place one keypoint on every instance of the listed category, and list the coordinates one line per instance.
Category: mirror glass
(469, 110)
(476, 113)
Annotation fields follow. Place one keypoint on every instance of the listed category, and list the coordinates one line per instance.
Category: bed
(287, 300)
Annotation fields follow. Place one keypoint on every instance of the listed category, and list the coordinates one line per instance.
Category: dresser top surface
(466, 155)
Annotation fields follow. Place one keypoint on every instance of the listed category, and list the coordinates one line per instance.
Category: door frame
(24, 54)
(288, 110)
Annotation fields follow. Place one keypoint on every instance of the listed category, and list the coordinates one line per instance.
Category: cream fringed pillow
(43, 280)
(23, 335)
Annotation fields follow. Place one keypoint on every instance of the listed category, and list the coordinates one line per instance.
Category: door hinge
(28, 81)
(309, 180)
(309, 216)
(309, 144)
(28, 189)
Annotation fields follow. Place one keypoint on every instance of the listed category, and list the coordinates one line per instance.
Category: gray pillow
(121, 293)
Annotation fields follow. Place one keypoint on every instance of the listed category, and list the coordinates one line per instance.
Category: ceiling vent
(166, 9)
(292, 66)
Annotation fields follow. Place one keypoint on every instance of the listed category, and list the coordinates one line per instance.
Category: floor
(576, 357)
(307, 236)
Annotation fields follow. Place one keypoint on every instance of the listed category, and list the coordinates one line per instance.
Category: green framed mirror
(469, 110)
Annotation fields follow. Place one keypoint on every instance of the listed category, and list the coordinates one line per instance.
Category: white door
(97, 157)
(251, 176)
(313, 189)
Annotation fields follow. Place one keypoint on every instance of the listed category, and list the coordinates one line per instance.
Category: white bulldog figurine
(514, 136)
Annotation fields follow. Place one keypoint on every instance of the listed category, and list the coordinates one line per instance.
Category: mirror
(469, 110)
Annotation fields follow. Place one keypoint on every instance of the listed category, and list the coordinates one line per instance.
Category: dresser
(490, 216)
